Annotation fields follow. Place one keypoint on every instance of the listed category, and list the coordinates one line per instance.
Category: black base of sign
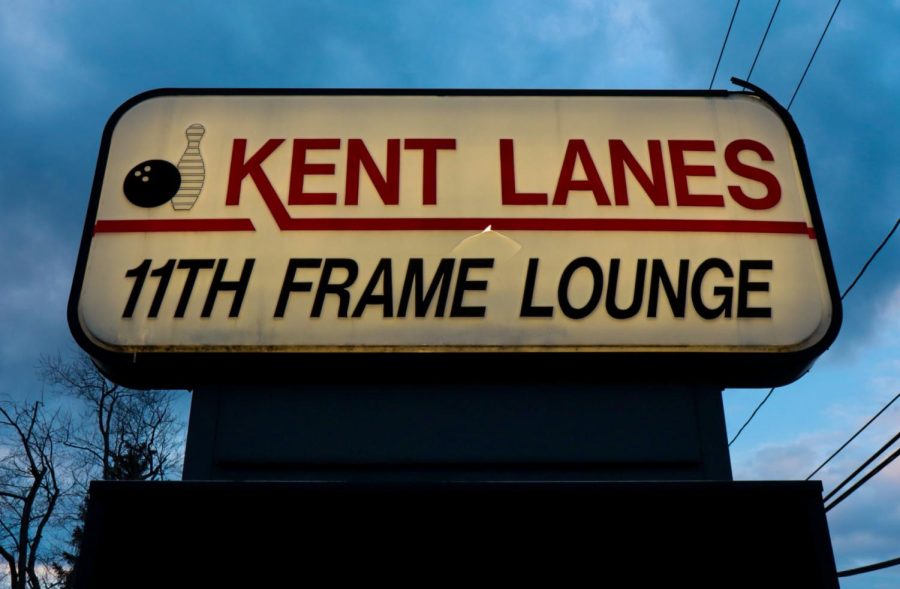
(629, 534)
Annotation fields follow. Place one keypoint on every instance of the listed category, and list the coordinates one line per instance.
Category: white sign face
(323, 222)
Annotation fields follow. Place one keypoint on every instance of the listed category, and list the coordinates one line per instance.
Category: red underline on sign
(173, 225)
(507, 224)
(465, 224)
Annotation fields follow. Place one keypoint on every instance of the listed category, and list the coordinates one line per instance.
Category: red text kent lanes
(757, 187)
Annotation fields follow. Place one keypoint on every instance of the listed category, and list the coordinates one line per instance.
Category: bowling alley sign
(545, 235)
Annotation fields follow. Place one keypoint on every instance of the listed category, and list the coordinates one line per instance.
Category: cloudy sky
(66, 66)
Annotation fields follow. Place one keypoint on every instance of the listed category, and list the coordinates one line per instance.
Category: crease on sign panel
(487, 243)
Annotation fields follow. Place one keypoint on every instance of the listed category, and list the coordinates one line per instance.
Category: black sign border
(188, 370)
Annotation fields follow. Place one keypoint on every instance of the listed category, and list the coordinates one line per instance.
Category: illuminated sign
(620, 226)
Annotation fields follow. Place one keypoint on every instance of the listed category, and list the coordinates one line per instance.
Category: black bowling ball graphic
(152, 183)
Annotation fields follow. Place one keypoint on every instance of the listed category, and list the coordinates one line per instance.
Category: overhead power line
(763, 42)
(725, 42)
(872, 257)
(752, 415)
(813, 56)
(861, 467)
(884, 463)
(853, 437)
(869, 568)
(846, 292)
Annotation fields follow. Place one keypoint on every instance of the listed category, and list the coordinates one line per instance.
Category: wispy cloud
(41, 66)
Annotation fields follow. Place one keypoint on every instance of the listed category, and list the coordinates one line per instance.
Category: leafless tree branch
(30, 486)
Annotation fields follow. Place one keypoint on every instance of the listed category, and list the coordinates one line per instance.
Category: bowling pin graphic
(192, 170)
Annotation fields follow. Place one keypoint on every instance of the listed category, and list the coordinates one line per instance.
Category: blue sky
(64, 68)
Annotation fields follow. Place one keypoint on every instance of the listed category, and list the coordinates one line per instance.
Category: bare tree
(126, 434)
(122, 434)
(31, 488)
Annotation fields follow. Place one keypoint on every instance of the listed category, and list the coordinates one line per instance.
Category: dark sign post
(453, 306)
(474, 432)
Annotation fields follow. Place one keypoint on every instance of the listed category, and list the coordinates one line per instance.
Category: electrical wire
(725, 42)
(862, 467)
(872, 257)
(853, 437)
(752, 415)
(763, 42)
(846, 292)
(816, 50)
(870, 567)
(863, 480)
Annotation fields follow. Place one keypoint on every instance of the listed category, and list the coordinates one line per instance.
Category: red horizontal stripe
(170, 225)
(465, 224)
(506, 224)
